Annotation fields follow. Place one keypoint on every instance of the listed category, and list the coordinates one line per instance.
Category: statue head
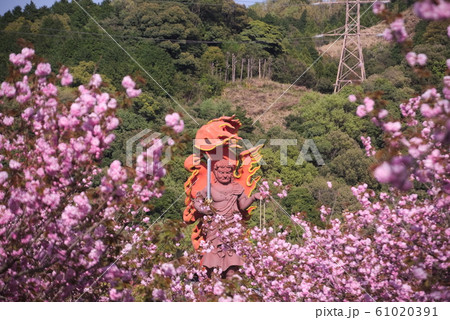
(223, 171)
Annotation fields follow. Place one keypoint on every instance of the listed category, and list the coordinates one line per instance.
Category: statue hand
(257, 196)
(203, 207)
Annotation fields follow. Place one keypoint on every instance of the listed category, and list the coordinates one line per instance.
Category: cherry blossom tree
(64, 221)
(70, 230)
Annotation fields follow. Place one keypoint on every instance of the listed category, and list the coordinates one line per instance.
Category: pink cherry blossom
(3, 177)
(392, 126)
(361, 111)
(65, 76)
(396, 31)
(17, 59)
(369, 103)
(7, 90)
(419, 273)
(367, 142)
(382, 114)
(96, 80)
(174, 120)
(383, 173)
(387, 34)
(421, 59)
(26, 68)
(432, 9)
(79, 225)
(43, 69)
(7, 121)
(27, 53)
(411, 58)
(133, 93)
(128, 83)
(378, 7)
(352, 98)
(13, 164)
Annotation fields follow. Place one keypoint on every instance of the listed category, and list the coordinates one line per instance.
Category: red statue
(225, 192)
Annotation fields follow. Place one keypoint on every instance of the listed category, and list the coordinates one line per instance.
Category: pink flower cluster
(378, 7)
(365, 108)
(432, 9)
(282, 191)
(395, 172)
(446, 90)
(395, 262)
(412, 58)
(420, 157)
(59, 231)
(352, 98)
(266, 192)
(22, 60)
(175, 122)
(130, 85)
(396, 31)
(367, 142)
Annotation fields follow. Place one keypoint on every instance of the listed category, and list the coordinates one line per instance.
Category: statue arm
(199, 203)
(245, 202)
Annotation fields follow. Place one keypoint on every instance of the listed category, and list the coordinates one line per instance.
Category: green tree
(267, 35)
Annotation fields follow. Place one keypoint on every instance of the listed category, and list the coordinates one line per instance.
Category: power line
(351, 63)
(187, 41)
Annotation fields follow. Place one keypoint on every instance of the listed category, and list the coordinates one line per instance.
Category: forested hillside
(220, 58)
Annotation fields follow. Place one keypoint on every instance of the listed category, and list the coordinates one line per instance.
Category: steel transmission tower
(351, 63)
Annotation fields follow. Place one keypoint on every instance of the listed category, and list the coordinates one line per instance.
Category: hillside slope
(369, 36)
(255, 96)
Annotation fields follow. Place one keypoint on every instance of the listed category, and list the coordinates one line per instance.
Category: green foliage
(130, 124)
(170, 205)
(82, 74)
(158, 64)
(151, 108)
(339, 198)
(287, 69)
(211, 85)
(213, 56)
(268, 36)
(157, 20)
(187, 63)
(380, 57)
(319, 114)
(334, 143)
(300, 199)
(352, 166)
(210, 109)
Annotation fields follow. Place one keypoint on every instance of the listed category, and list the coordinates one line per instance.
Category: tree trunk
(259, 68)
(264, 68)
(233, 67)
(227, 67)
(269, 72)
(248, 68)
(242, 67)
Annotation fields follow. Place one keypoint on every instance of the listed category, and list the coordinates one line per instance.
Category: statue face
(223, 175)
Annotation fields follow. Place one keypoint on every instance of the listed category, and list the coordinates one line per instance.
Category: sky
(6, 5)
